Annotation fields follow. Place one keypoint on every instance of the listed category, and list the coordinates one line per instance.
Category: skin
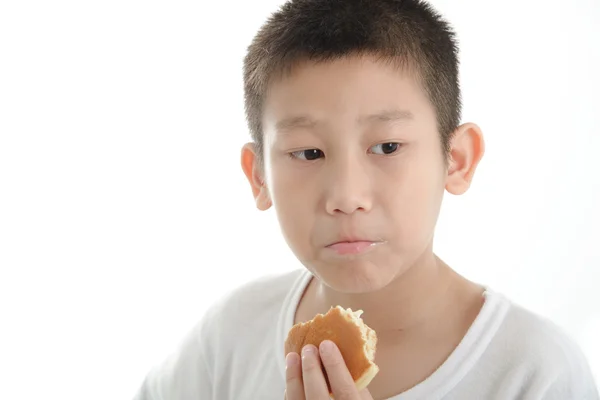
(352, 151)
(305, 378)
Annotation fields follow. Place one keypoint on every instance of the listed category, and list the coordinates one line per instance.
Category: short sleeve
(575, 380)
(186, 373)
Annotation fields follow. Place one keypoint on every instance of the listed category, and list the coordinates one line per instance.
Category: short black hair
(409, 34)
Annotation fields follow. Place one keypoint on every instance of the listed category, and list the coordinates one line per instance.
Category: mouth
(352, 247)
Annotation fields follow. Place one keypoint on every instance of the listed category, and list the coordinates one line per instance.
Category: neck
(408, 303)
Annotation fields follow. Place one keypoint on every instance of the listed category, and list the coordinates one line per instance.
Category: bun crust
(356, 341)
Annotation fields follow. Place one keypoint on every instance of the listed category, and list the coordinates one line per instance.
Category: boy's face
(352, 154)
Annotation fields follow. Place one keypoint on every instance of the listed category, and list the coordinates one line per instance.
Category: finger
(315, 386)
(365, 394)
(341, 381)
(294, 389)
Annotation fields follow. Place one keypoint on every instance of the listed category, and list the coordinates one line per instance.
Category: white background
(124, 212)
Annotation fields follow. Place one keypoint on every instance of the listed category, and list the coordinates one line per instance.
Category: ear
(466, 150)
(255, 174)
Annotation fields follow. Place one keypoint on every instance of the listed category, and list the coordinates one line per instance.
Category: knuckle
(292, 378)
(293, 374)
(333, 362)
(345, 393)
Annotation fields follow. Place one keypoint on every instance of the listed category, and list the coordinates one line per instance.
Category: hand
(305, 379)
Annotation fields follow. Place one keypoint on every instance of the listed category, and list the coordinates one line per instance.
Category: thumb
(365, 394)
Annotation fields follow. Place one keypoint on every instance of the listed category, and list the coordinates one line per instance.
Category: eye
(307, 155)
(385, 148)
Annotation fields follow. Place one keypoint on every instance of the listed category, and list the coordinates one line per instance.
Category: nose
(349, 188)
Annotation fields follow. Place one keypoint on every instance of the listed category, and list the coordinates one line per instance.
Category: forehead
(351, 88)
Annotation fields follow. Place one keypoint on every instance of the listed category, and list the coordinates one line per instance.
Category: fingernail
(308, 350)
(291, 359)
(326, 347)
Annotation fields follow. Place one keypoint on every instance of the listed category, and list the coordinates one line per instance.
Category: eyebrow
(288, 124)
(303, 121)
(388, 116)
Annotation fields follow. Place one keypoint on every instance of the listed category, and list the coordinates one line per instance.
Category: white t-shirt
(236, 353)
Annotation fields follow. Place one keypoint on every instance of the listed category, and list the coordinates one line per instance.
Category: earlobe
(263, 200)
(254, 173)
(466, 150)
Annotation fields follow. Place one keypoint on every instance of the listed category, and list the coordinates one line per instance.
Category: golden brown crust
(338, 326)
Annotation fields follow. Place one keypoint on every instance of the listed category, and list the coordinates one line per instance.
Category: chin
(354, 276)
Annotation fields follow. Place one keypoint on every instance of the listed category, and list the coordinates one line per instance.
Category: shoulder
(538, 351)
(537, 338)
(249, 307)
(249, 300)
(235, 321)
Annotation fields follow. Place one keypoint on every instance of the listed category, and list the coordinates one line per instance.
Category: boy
(354, 110)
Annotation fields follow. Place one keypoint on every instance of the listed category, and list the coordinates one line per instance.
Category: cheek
(294, 201)
(289, 191)
(416, 203)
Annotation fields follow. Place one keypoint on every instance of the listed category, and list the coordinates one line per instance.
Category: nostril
(349, 211)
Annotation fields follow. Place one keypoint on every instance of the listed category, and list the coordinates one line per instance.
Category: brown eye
(385, 148)
(308, 155)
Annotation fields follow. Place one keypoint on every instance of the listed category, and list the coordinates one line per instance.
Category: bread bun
(356, 341)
